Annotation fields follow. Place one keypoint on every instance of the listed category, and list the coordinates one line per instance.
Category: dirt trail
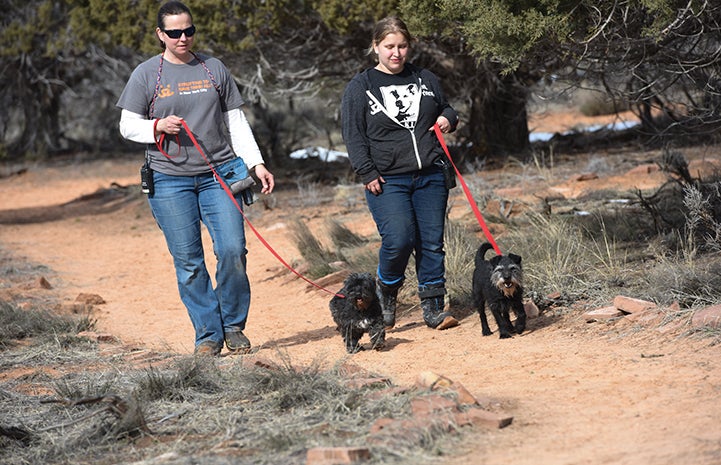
(579, 393)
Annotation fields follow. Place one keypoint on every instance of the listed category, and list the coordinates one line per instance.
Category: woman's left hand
(443, 124)
(266, 178)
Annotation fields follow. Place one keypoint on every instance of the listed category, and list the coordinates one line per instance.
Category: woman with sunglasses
(167, 96)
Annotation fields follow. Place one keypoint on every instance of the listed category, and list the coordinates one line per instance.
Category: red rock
(480, 417)
(531, 309)
(602, 314)
(428, 404)
(336, 455)
(708, 317)
(434, 382)
(90, 299)
(646, 317)
(631, 305)
(586, 177)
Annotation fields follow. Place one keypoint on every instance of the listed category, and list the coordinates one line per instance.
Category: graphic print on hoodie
(401, 102)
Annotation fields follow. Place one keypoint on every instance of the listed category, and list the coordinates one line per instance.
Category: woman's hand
(170, 125)
(443, 124)
(266, 178)
(375, 187)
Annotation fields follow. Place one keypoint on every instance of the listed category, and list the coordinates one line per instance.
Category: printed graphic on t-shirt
(402, 103)
(194, 87)
(186, 88)
(165, 91)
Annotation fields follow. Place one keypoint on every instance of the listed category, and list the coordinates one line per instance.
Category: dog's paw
(505, 336)
(486, 332)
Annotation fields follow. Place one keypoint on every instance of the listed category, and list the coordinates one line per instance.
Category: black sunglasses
(176, 33)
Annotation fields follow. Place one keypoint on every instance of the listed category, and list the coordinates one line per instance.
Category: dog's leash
(467, 191)
(227, 190)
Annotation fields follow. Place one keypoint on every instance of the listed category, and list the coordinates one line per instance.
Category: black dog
(358, 311)
(498, 282)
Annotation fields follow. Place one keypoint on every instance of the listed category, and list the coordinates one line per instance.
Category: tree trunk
(497, 123)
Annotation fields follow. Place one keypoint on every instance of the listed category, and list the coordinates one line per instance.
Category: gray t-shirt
(188, 92)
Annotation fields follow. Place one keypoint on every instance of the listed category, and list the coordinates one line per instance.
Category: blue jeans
(410, 215)
(179, 205)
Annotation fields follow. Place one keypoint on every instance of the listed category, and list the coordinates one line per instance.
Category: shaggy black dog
(498, 282)
(356, 310)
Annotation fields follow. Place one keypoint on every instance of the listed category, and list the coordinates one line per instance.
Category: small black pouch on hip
(449, 176)
(146, 179)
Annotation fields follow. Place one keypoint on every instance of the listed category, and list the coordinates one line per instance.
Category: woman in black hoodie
(388, 115)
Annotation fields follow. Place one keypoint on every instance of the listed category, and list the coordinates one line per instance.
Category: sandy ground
(579, 393)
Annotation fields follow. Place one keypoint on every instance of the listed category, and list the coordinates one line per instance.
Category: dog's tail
(481, 254)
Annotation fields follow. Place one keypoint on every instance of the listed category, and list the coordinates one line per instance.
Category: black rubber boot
(433, 313)
(387, 295)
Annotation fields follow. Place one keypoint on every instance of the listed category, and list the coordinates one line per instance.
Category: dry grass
(67, 399)
(189, 410)
(662, 247)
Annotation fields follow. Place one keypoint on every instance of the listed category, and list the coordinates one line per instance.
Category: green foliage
(505, 31)
(113, 24)
(344, 16)
(71, 26)
(30, 28)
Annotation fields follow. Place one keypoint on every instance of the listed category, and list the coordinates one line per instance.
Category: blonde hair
(389, 25)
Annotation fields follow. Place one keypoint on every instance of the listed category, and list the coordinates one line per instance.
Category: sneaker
(208, 349)
(236, 342)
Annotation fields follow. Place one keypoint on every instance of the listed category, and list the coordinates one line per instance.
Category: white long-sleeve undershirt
(138, 128)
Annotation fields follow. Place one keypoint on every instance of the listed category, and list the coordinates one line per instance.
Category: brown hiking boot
(208, 349)
(236, 342)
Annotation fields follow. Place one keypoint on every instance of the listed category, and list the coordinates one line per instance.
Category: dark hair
(389, 25)
(171, 9)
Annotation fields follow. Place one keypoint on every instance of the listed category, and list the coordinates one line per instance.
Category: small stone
(531, 309)
(602, 314)
(336, 455)
(89, 299)
(708, 317)
(631, 305)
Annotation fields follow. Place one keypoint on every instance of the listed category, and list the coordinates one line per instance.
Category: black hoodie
(389, 134)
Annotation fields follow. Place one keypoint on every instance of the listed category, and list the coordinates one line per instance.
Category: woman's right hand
(376, 186)
(170, 125)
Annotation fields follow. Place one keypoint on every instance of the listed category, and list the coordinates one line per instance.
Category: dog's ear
(516, 258)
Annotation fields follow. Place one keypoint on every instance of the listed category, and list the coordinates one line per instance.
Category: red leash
(250, 225)
(472, 202)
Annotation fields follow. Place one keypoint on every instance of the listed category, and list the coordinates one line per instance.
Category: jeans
(179, 205)
(410, 215)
